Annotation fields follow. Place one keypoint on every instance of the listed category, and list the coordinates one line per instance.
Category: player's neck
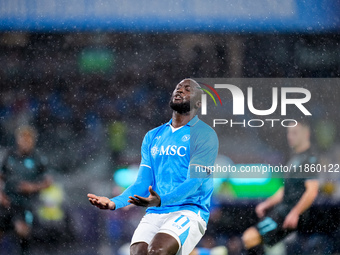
(179, 120)
(22, 152)
(302, 147)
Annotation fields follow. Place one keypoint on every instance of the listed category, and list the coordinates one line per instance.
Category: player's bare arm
(27, 187)
(101, 202)
(153, 200)
(261, 208)
(4, 200)
(308, 197)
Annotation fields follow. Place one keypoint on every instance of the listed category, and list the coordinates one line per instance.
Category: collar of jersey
(191, 123)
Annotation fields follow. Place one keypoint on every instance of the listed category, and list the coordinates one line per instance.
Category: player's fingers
(92, 201)
(100, 206)
(135, 201)
(132, 198)
(138, 201)
(259, 212)
(152, 192)
(102, 202)
(92, 196)
(141, 199)
(97, 203)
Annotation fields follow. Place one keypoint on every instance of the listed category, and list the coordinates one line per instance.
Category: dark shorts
(270, 226)
(8, 216)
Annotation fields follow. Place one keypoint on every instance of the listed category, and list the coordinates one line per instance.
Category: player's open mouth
(178, 97)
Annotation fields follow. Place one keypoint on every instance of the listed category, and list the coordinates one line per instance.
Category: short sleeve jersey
(294, 183)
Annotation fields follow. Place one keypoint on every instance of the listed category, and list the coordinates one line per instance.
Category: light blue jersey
(168, 157)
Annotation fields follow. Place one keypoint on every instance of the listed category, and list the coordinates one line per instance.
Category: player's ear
(198, 104)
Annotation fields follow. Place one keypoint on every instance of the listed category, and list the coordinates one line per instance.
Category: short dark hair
(304, 122)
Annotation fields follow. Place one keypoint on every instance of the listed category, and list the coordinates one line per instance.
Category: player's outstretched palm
(153, 200)
(101, 202)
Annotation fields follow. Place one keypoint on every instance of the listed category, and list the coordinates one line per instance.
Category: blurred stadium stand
(95, 76)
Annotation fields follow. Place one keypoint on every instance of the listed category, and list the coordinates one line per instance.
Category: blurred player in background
(23, 175)
(178, 206)
(279, 215)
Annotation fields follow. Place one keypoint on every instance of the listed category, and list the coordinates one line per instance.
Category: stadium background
(94, 76)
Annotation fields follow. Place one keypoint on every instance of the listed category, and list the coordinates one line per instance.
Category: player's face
(26, 142)
(181, 92)
(296, 135)
(184, 92)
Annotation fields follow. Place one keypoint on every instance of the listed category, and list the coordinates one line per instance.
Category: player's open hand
(101, 202)
(260, 209)
(153, 200)
(291, 220)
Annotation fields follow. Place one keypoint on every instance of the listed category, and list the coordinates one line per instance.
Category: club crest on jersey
(170, 150)
(29, 163)
(186, 138)
(154, 151)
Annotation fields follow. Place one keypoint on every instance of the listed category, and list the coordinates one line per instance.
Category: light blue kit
(168, 157)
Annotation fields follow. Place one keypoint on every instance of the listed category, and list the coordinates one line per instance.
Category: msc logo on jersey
(186, 138)
(169, 150)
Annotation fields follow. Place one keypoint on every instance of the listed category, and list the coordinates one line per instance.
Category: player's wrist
(295, 211)
(112, 205)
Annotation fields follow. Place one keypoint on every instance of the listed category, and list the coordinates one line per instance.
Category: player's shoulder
(202, 133)
(200, 127)
(153, 132)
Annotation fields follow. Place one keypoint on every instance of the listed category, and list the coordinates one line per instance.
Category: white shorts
(185, 226)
